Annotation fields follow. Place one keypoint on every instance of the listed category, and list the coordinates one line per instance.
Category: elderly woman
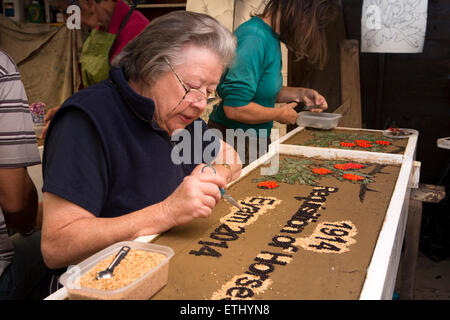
(111, 167)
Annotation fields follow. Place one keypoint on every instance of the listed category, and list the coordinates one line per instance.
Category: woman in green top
(253, 84)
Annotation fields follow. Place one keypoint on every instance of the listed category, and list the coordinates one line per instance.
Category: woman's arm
(18, 199)
(70, 233)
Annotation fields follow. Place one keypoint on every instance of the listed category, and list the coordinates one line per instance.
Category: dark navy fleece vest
(132, 156)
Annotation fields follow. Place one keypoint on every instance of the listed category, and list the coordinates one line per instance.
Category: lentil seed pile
(135, 264)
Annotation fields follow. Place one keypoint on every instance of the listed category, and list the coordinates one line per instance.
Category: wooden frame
(382, 270)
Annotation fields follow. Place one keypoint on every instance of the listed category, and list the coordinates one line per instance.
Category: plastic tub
(140, 289)
(38, 128)
(319, 120)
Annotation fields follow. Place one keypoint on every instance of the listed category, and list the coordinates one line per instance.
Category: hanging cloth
(95, 55)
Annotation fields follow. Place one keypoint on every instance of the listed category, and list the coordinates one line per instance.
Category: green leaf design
(327, 139)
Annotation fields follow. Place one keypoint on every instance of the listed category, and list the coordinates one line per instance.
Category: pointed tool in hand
(229, 198)
(223, 193)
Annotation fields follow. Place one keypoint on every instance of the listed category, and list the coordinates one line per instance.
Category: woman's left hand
(312, 97)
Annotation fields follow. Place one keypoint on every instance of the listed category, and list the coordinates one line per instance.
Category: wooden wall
(412, 90)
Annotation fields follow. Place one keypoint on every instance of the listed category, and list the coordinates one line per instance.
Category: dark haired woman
(253, 84)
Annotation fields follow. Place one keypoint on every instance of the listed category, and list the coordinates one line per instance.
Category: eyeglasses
(191, 95)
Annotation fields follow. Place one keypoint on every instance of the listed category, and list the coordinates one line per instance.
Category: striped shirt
(18, 146)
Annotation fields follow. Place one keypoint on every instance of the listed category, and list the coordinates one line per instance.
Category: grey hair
(142, 59)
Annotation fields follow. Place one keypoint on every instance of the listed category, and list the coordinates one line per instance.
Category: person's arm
(75, 188)
(63, 244)
(18, 199)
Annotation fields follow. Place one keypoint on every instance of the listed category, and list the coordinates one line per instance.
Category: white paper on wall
(393, 25)
(245, 8)
(222, 10)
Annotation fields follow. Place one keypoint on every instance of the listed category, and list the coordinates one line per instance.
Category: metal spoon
(108, 272)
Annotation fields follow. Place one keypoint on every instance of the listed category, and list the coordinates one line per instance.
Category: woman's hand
(195, 197)
(312, 97)
(309, 97)
(48, 117)
(287, 114)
